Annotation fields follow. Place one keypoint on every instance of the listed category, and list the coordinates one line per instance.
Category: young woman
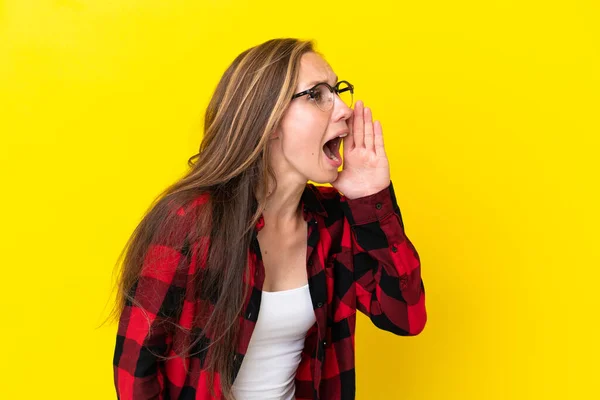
(242, 280)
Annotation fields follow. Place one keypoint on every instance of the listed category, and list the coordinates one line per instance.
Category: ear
(276, 134)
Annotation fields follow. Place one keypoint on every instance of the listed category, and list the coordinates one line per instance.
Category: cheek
(304, 133)
(302, 146)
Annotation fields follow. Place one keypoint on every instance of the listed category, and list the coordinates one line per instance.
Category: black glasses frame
(332, 89)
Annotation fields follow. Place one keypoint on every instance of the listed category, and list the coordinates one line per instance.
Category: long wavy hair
(232, 167)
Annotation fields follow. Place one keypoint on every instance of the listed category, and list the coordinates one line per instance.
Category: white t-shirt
(269, 366)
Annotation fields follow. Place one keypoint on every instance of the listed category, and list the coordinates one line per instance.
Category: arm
(387, 268)
(142, 333)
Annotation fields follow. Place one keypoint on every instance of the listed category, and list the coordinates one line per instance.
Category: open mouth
(332, 149)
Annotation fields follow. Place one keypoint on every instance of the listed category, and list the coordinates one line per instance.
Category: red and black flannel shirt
(358, 257)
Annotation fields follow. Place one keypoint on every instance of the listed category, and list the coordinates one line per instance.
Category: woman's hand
(366, 169)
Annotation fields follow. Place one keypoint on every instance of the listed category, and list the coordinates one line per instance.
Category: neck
(283, 204)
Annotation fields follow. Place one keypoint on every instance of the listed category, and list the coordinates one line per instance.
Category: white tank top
(274, 352)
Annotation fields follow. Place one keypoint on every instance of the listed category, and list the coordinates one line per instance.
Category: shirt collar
(310, 202)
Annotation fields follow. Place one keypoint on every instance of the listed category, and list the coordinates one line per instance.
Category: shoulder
(178, 218)
(192, 204)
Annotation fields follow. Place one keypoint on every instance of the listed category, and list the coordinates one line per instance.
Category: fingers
(363, 131)
(358, 130)
(368, 129)
(379, 147)
(348, 141)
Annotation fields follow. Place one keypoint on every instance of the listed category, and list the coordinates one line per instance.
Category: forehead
(313, 69)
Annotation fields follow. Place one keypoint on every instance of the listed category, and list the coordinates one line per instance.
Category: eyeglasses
(322, 94)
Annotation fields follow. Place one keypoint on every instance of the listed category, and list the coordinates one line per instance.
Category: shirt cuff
(374, 207)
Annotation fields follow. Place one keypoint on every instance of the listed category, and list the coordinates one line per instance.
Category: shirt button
(394, 249)
(310, 263)
(324, 343)
(319, 305)
(249, 315)
(378, 206)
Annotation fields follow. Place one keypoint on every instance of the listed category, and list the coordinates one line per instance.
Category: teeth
(329, 154)
(343, 135)
(332, 157)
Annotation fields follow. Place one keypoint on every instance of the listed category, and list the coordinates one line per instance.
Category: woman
(243, 280)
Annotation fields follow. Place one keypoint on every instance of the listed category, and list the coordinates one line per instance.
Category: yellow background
(490, 113)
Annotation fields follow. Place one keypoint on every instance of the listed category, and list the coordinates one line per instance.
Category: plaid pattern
(358, 257)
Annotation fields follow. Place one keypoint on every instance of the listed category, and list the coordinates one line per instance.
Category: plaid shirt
(358, 257)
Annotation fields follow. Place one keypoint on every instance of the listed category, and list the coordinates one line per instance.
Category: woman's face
(298, 148)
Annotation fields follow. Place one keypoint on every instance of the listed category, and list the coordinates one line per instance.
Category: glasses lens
(345, 94)
(323, 97)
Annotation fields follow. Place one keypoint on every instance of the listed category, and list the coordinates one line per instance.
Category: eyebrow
(313, 83)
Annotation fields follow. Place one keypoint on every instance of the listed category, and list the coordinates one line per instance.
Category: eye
(315, 95)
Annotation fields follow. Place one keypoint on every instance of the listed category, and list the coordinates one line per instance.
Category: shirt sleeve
(143, 332)
(386, 265)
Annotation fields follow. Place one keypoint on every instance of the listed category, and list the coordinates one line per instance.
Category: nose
(340, 110)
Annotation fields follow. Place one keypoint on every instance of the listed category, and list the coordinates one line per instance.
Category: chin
(326, 178)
